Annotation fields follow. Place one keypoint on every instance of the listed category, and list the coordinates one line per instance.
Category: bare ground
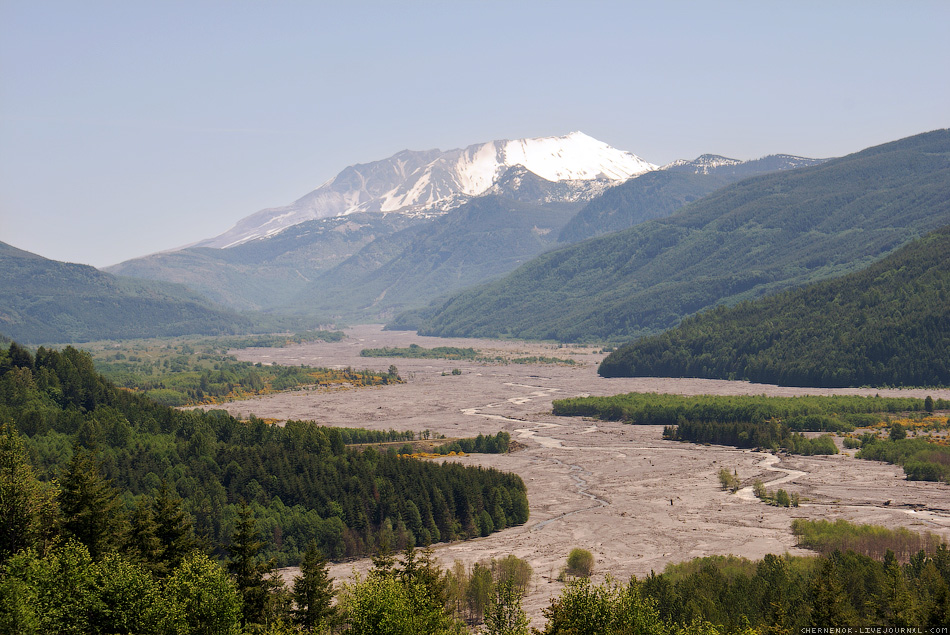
(635, 501)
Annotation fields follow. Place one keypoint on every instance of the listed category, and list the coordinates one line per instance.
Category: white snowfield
(435, 181)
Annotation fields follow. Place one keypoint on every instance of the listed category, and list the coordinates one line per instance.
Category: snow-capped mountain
(431, 182)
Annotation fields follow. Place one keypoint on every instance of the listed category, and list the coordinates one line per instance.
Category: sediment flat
(635, 501)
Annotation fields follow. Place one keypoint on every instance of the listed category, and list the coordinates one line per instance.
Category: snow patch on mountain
(432, 182)
(704, 164)
(710, 163)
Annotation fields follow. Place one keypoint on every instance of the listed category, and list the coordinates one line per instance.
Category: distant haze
(129, 128)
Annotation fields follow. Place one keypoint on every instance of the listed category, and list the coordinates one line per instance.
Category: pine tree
(27, 507)
(174, 528)
(248, 570)
(144, 546)
(830, 604)
(91, 507)
(383, 561)
(313, 591)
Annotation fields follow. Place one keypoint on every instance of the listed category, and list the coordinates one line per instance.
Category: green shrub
(580, 563)
(728, 480)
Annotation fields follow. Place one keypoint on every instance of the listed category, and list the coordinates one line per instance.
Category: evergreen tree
(249, 572)
(830, 604)
(27, 507)
(896, 604)
(92, 510)
(143, 545)
(313, 591)
(384, 561)
(173, 528)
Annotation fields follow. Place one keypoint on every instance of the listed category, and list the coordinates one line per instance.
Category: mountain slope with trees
(659, 193)
(483, 239)
(749, 239)
(267, 272)
(48, 301)
(885, 325)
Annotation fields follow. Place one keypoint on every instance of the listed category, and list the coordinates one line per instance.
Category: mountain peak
(433, 181)
(572, 157)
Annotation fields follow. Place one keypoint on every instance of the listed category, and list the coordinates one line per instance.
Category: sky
(128, 128)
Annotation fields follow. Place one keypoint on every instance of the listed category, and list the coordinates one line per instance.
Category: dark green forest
(887, 325)
(45, 301)
(755, 237)
(300, 480)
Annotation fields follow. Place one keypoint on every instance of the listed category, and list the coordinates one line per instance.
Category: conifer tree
(313, 591)
(27, 507)
(383, 561)
(144, 546)
(92, 510)
(174, 528)
(249, 572)
(830, 604)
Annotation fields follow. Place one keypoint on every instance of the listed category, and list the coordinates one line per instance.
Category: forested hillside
(300, 480)
(755, 237)
(45, 301)
(659, 193)
(483, 239)
(268, 272)
(888, 324)
(654, 195)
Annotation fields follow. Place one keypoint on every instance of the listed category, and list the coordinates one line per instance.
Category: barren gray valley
(636, 501)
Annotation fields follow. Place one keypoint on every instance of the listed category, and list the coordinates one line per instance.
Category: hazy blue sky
(131, 127)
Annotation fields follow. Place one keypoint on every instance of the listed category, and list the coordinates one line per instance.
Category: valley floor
(635, 501)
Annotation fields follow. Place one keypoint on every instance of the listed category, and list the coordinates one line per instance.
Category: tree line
(72, 561)
(805, 413)
(758, 421)
(886, 325)
(771, 435)
(921, 459)
(482, 444)
(301, 480)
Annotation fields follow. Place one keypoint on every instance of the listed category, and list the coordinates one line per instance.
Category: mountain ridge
(433, 181)
(48, 301)
(756, 236)
(886, 324)
(296, 268)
